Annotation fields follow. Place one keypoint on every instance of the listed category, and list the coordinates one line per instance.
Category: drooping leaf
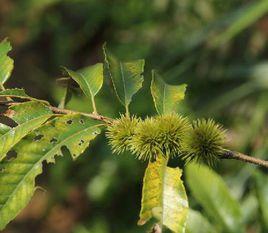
(163, 196)
(126, 77)
(29, 116)
(20, 94)
(90, 80)
(17, 176)
(6, 63)
(261, 181)
(211, 192)
(166, 97)
(197, 223)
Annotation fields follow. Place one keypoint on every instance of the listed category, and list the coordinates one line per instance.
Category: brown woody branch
(228, 154)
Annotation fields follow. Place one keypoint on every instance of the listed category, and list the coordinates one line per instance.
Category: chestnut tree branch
(228, 154)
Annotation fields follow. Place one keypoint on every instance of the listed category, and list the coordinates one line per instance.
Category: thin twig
(94, 116)
(90, 115)
(245, 158)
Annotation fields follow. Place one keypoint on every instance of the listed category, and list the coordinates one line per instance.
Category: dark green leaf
(126, 77)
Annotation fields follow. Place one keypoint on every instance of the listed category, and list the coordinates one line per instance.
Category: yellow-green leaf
(166, 97)
(31, 116)
(126, 77)
(17, 176)
(164, 196)
(211, 192)
(90, 80)
(6, 63)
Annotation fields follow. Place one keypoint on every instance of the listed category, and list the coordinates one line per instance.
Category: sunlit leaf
(32, 115)
(211, 192)
(90, 80)
(163, 196)
(166, 97)
(6, 63)
(17, 176)
(18, 93)
(126, 77)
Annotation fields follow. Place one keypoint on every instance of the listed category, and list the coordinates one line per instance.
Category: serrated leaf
(90, 80)
(164, 196)
(17, 176)
(6, 63)
(166, 97)
(29, 116)
(126, 77)
(20, 94)
(211, 192)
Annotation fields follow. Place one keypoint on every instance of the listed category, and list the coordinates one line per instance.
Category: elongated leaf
(164, 197)
(126, 77)
(32, 115)
(6, 63)
(90, 80)
(261, 181)
(196, 223)
(211, 192)
(17, 176)
(166, 97)
(19, 93)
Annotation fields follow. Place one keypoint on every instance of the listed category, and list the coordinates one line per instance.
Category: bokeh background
(219, 48)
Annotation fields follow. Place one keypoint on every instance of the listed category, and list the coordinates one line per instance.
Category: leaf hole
(81, 142)
(69, 122)
(11, 155)
(53, 140)
(81, 121)
(38, 137)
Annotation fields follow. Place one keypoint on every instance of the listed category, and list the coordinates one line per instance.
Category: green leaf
(211, 192)
(166, 97)
(90, 80)
(17, 176)
(261, 181)
(197, 223)
(6, 63)
(126, 77)
(29, 116)
(20, 94)
(163, 196)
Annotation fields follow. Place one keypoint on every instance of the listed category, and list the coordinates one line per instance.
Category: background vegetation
(219, 48)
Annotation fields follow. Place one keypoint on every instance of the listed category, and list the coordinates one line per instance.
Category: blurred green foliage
(219, 48)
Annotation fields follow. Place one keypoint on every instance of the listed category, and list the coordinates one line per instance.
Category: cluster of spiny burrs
(169, 136)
